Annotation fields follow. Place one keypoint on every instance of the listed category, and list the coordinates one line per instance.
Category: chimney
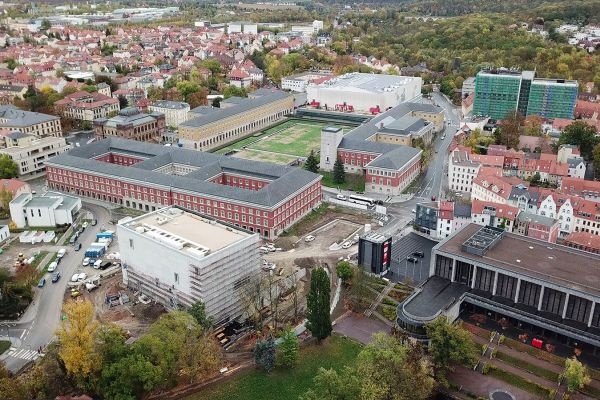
(381, 125)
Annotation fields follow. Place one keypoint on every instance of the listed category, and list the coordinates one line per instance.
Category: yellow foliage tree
(76, 336)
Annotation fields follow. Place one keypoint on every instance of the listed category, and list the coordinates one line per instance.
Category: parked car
(79, 277)
(55, 277)
(78, 247)
(341, 197)
(419, 254)
(309, 238)
(105, 265)
(52, 266)
(42, 282)
(346, 245)
(412, 259)
(86, 262)
(61, 253)
(84, 225)
(97, 264)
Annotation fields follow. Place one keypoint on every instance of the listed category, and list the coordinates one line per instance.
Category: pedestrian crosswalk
(24, 354)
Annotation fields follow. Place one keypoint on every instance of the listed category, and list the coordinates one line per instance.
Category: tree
(533, 125)
(129, 378)
(10, 63)
(5, 198)
(390, 370)
(122, 101)
(288, 349)
(580, 134)
(231, 91)
(264, 353)
(199, 98)
(76, 336)
(318, 304)
(536, 179)
(450, 344)
(344, 271)
(200, 355)
(509, 129)
(311, 164)
(328, 384)
(198, 311)
(358, 295)
(339, 175)
(211, 64)
(45, 25)
(575, 374)
(596, 160)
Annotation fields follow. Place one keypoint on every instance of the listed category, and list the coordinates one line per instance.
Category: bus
(361, 200)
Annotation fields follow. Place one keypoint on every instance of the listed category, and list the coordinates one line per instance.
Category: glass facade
(496, 94)
(551, 99)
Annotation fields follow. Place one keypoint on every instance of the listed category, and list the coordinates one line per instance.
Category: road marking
(24, 354)
(22, 334)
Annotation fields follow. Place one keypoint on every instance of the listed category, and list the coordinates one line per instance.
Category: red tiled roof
(502, 210)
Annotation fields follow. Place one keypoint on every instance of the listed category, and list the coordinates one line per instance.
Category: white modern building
(48, 210)
(176, 112)
(177, 258)
(363, 92)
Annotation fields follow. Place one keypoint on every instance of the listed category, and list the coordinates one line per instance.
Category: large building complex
(30, 152)
(363, 92)
(499, 91)
(200, 259)
(381, 148)
(31, 123)
(176, 112)
(210, 127)
(84, 106)
(130, 123)
(257, 196)
(551, 291)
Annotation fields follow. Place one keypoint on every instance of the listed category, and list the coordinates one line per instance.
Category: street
(38, 325)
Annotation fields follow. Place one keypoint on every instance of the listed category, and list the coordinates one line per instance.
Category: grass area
(4, 345)
(591, 391)
(285, 384)
(398, 295)
(388, 301)
(353, 182)
(38, 258)
(301, 225)
(256, 155)
(388, 311)
(519, 382)
(534, 369)
(297, 139)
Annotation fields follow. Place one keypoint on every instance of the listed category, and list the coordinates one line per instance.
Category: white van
(61, 253)
(52, 266)
(341, 197)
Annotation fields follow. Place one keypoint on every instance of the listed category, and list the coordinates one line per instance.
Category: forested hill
(584, 11)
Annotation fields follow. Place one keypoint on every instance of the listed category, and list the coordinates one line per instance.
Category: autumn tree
(234, 91)
(200, 356)
(582, 135)
(450, 344)
(533, 126)
(288, 349)
(330, 384)
(311, 164)
(576, 374)
(509, 129)
(76, 336)
(318, 305)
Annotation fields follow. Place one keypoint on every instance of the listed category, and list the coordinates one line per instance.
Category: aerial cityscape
(300, 200)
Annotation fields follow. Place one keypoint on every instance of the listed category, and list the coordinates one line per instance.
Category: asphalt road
(38, 325)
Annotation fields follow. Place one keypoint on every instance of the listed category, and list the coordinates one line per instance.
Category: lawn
(276, 158)
(353, 182)
(4, 345)
(283, 384)
(296, 139)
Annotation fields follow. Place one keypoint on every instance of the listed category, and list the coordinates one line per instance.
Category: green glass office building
(497, 92)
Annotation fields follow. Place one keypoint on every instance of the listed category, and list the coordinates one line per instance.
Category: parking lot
(403, 269)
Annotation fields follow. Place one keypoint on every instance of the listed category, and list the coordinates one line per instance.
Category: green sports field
(282, 143)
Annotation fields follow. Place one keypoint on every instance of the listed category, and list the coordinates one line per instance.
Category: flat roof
(190, 233)
(373, 83)
(560, 265)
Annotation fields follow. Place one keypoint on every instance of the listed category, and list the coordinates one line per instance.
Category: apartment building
(85, 106)
(30, 123)
(30, 153)
(200, 259)
(176, 112)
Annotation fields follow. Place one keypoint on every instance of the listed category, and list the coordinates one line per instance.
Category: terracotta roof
(501, 210)
(12, 185)
(584, 239)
